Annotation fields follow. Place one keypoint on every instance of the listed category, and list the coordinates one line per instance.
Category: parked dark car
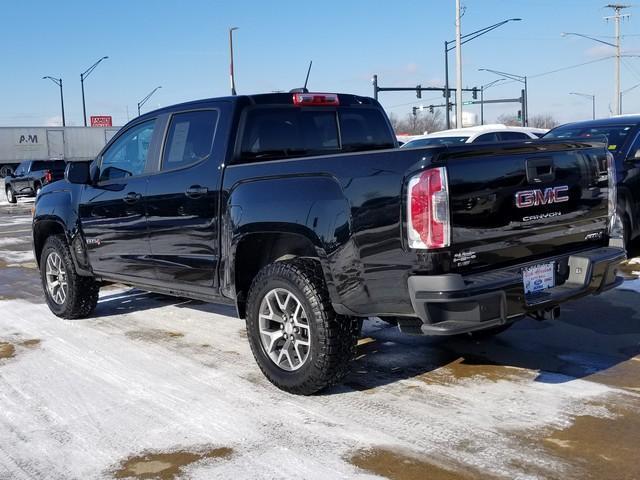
(623, 136)
(299, 209)
(30, 176)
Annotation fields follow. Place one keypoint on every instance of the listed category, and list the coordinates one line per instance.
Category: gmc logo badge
(537, 197)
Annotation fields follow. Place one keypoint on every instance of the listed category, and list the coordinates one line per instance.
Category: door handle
(196, 191)
(132, 197)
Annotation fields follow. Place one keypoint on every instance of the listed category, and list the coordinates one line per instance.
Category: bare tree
(509, 119)
(543, 120)
(417, 124)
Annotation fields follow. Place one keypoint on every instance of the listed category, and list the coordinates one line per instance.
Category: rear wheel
(68, 294)
(11, 197)
(299, 342)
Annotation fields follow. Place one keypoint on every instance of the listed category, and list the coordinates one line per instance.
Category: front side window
(22, 169)
(128, 155)
(190, 138)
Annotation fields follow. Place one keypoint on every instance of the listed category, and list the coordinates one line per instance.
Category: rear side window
(282, 132)
(189, 139)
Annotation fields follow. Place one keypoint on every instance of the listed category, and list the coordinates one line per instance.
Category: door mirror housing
(78, 172)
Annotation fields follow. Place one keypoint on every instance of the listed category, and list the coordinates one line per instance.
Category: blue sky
(183, 47)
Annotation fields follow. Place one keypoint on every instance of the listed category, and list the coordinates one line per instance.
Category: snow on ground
(13, 257)
(633, 285)
(148, 373)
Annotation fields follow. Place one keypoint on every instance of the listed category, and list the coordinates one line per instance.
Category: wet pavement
(159, 387)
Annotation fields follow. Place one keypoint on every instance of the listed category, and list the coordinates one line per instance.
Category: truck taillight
(428, 224)
(48, 176)
(316, 99)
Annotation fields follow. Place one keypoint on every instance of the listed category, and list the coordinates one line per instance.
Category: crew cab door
(183, 198)
(112, 211)
(19, 181)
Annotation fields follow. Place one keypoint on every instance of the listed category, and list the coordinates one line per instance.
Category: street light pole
(593, 100)
(144, 100)
(482, 89)
(83, 77)
(458, 67)
(58, 81)
(517, 78)
(627, 91)
(231, 73)
(465, 38)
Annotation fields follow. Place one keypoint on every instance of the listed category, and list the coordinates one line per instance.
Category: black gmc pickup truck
(300, 209)
(30, 176)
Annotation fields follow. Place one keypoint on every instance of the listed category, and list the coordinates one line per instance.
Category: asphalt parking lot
(158, 387)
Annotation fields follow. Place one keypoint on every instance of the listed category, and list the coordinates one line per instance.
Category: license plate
(538, 277)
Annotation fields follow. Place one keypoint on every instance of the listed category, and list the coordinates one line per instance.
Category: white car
(483, 133)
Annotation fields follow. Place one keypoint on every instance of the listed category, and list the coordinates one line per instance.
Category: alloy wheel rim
(56, 276)
(284, 329)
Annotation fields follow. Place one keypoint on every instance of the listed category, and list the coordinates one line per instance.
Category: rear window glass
(51, 165)
(282, 132)
(616, 134)
(364, 129)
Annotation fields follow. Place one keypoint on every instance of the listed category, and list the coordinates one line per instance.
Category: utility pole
(458, 67)
(616, 17)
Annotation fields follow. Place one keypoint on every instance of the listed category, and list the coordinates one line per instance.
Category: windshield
(430, 142)
(616, 134)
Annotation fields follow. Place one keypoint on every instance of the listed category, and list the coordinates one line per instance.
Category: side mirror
(77, 172)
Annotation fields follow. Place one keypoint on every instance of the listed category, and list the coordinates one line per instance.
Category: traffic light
(415, 111)
(474, 93)
(519, 115)
(418, 91)
(430, 108)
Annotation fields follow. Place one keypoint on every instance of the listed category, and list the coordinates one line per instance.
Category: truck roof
(615, 120)
(275, 98)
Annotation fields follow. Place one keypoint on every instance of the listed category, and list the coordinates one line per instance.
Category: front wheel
(299, 342)
(68, 294)
(11, 197)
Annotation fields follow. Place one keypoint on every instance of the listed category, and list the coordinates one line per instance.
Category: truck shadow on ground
(593, 338)
(135, 300)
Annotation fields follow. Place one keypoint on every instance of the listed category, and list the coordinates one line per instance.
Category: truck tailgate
(515, 203)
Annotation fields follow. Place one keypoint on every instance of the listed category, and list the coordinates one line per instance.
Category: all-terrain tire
(11, 197)
(332, 337)
(82, 293)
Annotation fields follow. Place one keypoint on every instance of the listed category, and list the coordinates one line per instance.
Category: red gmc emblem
(537, 197)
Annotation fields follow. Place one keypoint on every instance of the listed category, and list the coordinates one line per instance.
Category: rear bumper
(452, 304)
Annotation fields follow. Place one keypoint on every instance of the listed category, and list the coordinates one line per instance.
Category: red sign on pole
(101, 121)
